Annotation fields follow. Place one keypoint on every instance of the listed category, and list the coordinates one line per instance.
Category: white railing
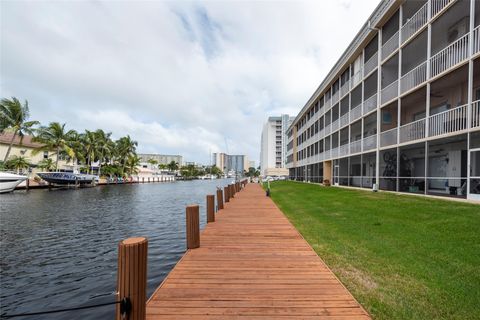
(476, 40)
(335, 125)
(327, 103)
(450, 56)
(390, 92)
(370, 142)
(412, 131)
(370, 104)
(344, 120)
(371, 64)
(335, 97)
(356, 146)
(415, 23)
(414, 77)
(356, 112)
(328, 129)
(343, 151)
(438, 5)
(389, 137)
(357, 77)
(448, 121)
(475, 114)
(334, 153)
(390, 46)
(345, 88)
(321, 133)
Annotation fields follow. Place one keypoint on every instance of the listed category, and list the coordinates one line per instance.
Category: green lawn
(402, 257)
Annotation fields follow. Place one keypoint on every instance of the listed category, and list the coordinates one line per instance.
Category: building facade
(273, 149)
(400, 110)
(161, 158)
(230, 163)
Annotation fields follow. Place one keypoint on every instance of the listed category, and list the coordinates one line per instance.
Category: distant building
(273, 145)
(161, 158)
(251, 164)
(227, 162)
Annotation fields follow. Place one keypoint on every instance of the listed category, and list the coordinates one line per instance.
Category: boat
(9, 181)
(69, 178)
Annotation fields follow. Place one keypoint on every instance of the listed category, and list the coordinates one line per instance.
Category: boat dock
(252, 264)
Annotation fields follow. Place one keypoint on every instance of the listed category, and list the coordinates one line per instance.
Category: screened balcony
(415, 17)
(389, 125)
(414, 63)
(344, 112)
(369, 141)
(413, 111)
(356, 137)
(389, 80)
(356, 103)
(371, 56)
(390, 34)
(370, 93)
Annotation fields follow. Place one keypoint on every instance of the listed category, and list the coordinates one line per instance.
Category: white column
(379, 101)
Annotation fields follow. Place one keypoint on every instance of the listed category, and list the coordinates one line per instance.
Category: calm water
(59, 247)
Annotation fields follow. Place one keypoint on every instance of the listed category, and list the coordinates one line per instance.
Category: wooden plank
(252, 264)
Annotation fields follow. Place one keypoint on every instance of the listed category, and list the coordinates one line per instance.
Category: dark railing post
(193, 226)
(219, 199)
(227, 193)
(210, 208)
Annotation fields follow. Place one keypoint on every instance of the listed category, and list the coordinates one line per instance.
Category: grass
(402, 257)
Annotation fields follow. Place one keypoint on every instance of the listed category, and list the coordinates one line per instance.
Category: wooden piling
(210, 208)
(226, 192)
(132, 277)
(193, 226)
(219, 199)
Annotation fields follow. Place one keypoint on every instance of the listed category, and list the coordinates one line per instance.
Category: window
(45, 154)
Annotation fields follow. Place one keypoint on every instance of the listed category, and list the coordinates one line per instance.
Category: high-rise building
(400, 110)
(161, 158)
(230, 163)
(273, 145)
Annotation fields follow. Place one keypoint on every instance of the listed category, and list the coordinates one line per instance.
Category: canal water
(59, 247)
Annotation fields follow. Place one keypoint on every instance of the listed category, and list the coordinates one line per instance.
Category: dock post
(132, 277)
(232, 191)
(226, 192)
(193, 226)
(219, 199)
(143, 179)
(210, 208)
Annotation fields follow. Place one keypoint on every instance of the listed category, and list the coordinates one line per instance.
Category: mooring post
(226, 192)
(193, 226)
(210, 208)
(219, 199)
(132, 279)
(232, 191)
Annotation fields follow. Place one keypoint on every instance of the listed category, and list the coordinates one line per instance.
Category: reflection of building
(161, 158)
(273, 145)
(226, 162)
(401, 107)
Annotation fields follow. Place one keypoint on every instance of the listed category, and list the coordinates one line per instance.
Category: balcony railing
(390, 92)
(476, 40)
(476, 114)
(412, 131)
(334, 153)
(414, 77)
(335, 97)
(370, 142)
(356, 146)
(345, 88)
(343, 150)
(328, 103)
(344, 120)
(438, 5)
(448, 121)
(371, 64)
(356, 112)
(328, 129)
(357, 77)
(415, 23)
(370, 104)
(390, 46)
(335, 125)
(450, 56)
(389, 137)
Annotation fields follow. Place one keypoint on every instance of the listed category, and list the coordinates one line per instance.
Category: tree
(133, 161)
(125, 147)
(172, 166)
(162, 166)
(18, 163)
(46, 164)
(152, 162)
(55, 137)
(252, 172)
(13, 117)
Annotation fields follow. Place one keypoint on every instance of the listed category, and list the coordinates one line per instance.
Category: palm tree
(152, 162)
(46, 164)
(125, 147)
(105, 147)
(172, 166)
(55, 137)
(77, 150)
(18, 163)
(133, 161)
(13, 117)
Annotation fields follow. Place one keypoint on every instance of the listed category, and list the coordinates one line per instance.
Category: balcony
(357, 77)
(412, 131)
(344, 120)
(335, 97)
(370, 142)
(356, 146)
(335, 125)
(356, 112)
(390, 92)
(476, 114)
(450, 56)
(390, 46)
(334, 153)
(415, 23)
(328, 103)
(476, 40)
(345, 88)
(438, 5)
(414, 77)
(343, 150)
(370, 104)
(388, 138)
(448, 121)
(370, 65)
(328, 129)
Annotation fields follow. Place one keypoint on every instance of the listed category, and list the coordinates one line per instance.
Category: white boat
(9, 181)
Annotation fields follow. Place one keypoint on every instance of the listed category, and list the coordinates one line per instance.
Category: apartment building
(273, 149)
(400, 110)
(161, 158)
(236, 164)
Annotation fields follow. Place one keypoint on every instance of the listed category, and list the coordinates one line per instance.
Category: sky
(179, 77)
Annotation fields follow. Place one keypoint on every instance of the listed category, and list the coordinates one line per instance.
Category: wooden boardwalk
(252, 264)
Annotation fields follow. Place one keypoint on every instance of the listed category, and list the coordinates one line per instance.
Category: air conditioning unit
(458, 29)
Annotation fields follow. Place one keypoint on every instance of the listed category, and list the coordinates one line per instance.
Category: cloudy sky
(179, 77)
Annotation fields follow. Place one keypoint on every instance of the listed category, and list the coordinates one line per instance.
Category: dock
(252, 264)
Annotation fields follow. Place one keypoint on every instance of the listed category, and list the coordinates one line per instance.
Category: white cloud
(179, 77)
